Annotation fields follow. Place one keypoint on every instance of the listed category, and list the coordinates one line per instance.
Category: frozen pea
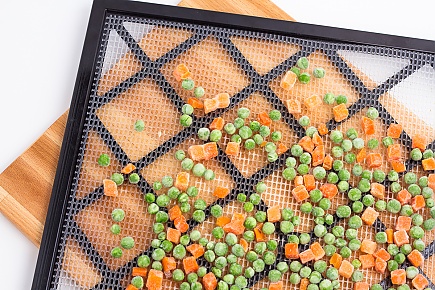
(303, 63)
(380, 205)
(198, 170)
(104, 160)
(379, 175)
(310, 131)
(373, 143)
(203, 134)
(416, 154)
(350, 158)
(345, 252)
(245, 132)
(319, 72)
(188, 84)
(305, 158)
(337, 151)
(352, 133)
(381, 237)
(303, 169)
(215, 135)
(329, 250)
(332, 177)
(372, 113)
(336, 136)
(243, 112)
(343, 211)
(368, 200)
(304, 121)
(319, 172)
(275, 115)
(118, 215)
(357, 206)
(115, 229)
(358, 143)
(185, 120)
(329, 98)
(315, 195)
(264, 131)
(230, 128)
(355, 222)
(199, 92)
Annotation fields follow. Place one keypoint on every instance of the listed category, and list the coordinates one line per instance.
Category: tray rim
(82, 90)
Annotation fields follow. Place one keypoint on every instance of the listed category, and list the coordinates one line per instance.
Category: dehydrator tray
(126, 73)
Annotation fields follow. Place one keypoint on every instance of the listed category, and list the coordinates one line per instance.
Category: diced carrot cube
(217, 124)
(291, 251)
(173, 235)
(190, 265)
(403, 223)
(346, 269)
(196, 152)
(281, 148)
(398, 166)
(368, 247)
(299, 180)
(431, 181)
(244, 244)
(306, 256)
(110, 188)
(318, 155)
(131, 287)
(361, 156)
(182, 180)
(196, 250)
(390, 235)
(322, 129)
(264, 119)
(304, 284)
(137, 271)
(327, 162)
(361, 286)
(368, 125)
(209, 281)
(233, 149)
(374, 160)
(398, 277)
(329, 190)
(416, 258)
(336, 260)
(195, 103)
(367, 261)
(181, 72)
(382, 254)
(340, 112)
(419, 141)
(400, 238)
(235, 226)
(294, 106)
(288, 80)
(259, 235)
(223, 100)
(394, 152)
(428, 164)
(274, 214)
(418, 202)
(369, 216)
(312, 102)
(317, 140)
(181, 224)
(318, 251)
(394, 130)
(169, 264)
(155, 280)
(377, 190)
(210, 105)
(380, 265)
(300, 193)
(221, 192)
(128, 168)
(222, 221)
(174, 212)
(276, 285)
(404, 196)
(420, 282)
(210, 150)
(309, 182)
(307, 144)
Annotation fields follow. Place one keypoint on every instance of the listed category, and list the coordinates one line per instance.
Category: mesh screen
(134, 81)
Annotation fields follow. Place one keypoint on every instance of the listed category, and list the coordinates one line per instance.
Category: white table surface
(40, 52)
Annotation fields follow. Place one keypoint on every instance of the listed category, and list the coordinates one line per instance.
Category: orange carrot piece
(382, 254)
(276, 285)
(274, 214)
(415, 258)
(368, 247)
(173, 235)
(217, 124)
(196, 152)
(419, 141)
(182, 180)
(264, 119)
(244, 244)
(377, 190)
(361, 286)
(288, 80)
(380, 265)
(196, 250)
(307, 144)
(346, 269)
(174, 212)
(367, 261)
(312, 102)
(336, 260)
(361, 156)
(259, 235)
(281, 148)
(327, 162)
(210, 150)
(322, 129)
(291, 251)
(398, 166)
(317, 140)
(404, 196)
(221, 192)
(329, 190)
(394, 130)
(390, 235)
(369, 216)
(209, 281)
(431, 181)
(210, 105)
(190, 265)
(428, 164)
(222, 221)
(368, 125)
(131, 287)
(304, 284)
(181, 72)
(394, 152)
(318, 155)
(374, 160)
(233, 149)
(223, 100)
(403, 223)
(155, 280)
(418, 202)
(110, 188)
(294, 106)
(300, 193)
(195, 103)
(169, 264)
(128, 168)
(309, 182)
(398, 277)
(181, 224)
(306, 256)
(420, 282)
(299, 180)
(318, 251)
(236, 225)
(137, 271)
(340, 112)
(400, 238)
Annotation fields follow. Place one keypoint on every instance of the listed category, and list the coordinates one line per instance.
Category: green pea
(236, 269)
(329, 250)
(329, 219)
(293, 239)
(117, 178)
(399, 258)
(376, 287)
(357, 276)
(303, 63)
(188, 84)
(179, 252)
(332, 273)
(392, 265)
(429, 224)
(355, 222)
(329, 98)
(319, 230)
(260, 216)
(354, 244)
(178, 275)
(364, 185)
(215, 135)
(185, 120)
(199, 92)
(350, 158)
(357, 207)
(295, 278)
(416, 154)
(410, 178)
(296, 150)
(306, 207)
(118, 215)
(338, 231)
(203, 134)
(341, 99)
(352, 133)
(275, 115)
(343, 211)
(305, 272)
(395, 187)
(358, 143)
(304, 238)
(310, 131)
(304, 121)
(116, 252)
(245, 132)
(286, 227)
(303, 169)
(356, 263)
(368, 200)
(296, 220)
(282, 267)
(243, 112)
(411, 272)
(393, 206)
(345, 252)
(104, 160)
(372, 113)
(373, 144)
(264, 131)
(272, 156)
(315, 278)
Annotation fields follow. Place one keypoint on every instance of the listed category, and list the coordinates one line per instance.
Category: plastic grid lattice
(148, 67)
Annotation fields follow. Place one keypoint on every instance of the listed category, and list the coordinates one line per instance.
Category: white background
(40, 51)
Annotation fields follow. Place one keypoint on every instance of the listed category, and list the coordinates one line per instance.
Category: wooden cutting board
(25, 203)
